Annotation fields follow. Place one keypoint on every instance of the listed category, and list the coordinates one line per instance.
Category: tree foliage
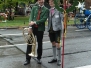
(12, 3)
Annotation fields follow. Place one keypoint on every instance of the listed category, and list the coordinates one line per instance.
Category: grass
(22, 21)
(17, 22)
(71, 22)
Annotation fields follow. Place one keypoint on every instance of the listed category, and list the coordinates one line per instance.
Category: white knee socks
(54, 51)
(59, 53)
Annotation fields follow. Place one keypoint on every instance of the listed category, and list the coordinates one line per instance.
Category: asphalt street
(77, 49)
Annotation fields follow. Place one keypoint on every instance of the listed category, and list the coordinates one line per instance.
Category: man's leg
(59, 54)
(54, 50)
(39, 40)
(58, 37)
(28, 51)
(52, 39)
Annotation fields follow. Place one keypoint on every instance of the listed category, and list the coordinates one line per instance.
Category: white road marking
(46, 42)
(81, 30)
(19, 34)
(18, 44)
(1, 46)
(87, 66)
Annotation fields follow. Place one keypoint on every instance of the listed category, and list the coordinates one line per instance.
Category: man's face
(41, 2)
(51, 3)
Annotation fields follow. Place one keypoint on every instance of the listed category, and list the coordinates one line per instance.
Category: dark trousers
(28, 51)
(39, 35)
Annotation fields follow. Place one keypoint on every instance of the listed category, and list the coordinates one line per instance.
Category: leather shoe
(38, 61)
(59, 62)
(26, 63)
(53, 61)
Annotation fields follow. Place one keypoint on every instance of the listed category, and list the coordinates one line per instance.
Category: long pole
(64, 32)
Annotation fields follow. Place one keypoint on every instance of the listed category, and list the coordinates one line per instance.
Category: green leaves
(73, 6)
(6, 3)
(2, 0)
(68, 9)
(57, 6)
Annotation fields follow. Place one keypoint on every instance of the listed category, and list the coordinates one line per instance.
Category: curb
(12, 27)
(24, 27)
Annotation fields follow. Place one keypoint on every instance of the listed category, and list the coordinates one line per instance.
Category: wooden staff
(64, 32)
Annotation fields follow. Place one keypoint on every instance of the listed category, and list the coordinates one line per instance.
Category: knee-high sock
(54, 51)
(59, 53)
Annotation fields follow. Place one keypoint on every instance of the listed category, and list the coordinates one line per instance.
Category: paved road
(14, 36)
(77, 50)
(11, 57)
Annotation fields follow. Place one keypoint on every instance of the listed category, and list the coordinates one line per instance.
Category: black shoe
(53, 61)
(38, 61)
(59, 62)
(26, 63)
